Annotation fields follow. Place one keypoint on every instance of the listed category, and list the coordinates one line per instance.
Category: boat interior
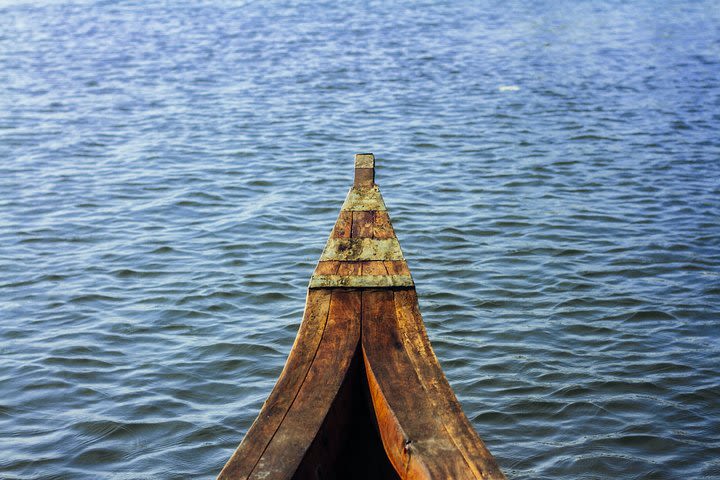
(348, 443)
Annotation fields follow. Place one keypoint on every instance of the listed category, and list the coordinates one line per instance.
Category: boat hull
(362, 394)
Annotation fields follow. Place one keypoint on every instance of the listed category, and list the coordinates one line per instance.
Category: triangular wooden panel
(362, 394)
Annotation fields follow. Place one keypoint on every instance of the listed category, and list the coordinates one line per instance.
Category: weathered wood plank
(359, 249)
(360, 281)
(396, 442)
(383, 228)
(374, 267)
(364, 199)
(397, 267)
(349, 268)
(323, 380)
(363, 224)
(446, 406)
(415, 438)
(343, 225)
(364, 178)
(328, 267)
(275, 408)
(364, 160)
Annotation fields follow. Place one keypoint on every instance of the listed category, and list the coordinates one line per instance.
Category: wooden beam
(359, 249)
(364, 160)
(421, 424)
(277, 405)
(322, 383)
(364, 199)
(360, 281)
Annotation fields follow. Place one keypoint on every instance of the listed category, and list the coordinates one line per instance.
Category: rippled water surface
(170, 173)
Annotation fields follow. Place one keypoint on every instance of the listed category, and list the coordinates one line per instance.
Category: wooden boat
(362, 395)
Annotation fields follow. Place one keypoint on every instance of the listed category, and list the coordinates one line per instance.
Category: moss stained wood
(362, 233)
(359, 249)
(364, 160)
(364, 199)
(360, 281)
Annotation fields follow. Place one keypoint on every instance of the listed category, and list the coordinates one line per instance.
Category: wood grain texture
(326, 374)
(416, 443)
(348, 445)
(421, 355)
(343, 225)
(362, 394)
(383, 227)
(363, 224)
(277, 405)
(397, 267)
(395, 441)
(374, 267)
(328, 267)
(364, 178)
(350, 268)
(412, 423)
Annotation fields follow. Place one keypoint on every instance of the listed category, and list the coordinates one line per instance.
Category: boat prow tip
(364, 170)
(363, 250)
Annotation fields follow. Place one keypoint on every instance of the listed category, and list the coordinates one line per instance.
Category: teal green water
(170, 173)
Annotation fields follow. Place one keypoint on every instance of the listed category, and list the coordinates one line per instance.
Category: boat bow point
(362, 395)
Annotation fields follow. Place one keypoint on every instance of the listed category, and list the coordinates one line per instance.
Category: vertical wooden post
(364, 170)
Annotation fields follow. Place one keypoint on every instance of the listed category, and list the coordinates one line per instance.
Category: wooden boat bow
(362, 394)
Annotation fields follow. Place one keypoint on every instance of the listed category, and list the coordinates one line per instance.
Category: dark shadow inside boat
(348, 445)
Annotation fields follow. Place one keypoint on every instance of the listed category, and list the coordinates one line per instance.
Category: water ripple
(171, 174)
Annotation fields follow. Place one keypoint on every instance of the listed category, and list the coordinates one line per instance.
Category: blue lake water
(170, 172)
